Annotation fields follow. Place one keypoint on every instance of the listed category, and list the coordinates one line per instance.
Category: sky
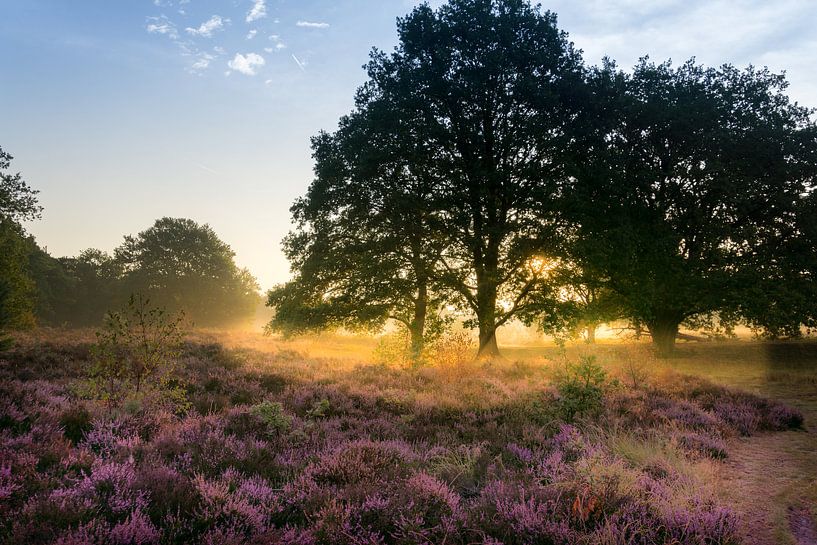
(124, 111)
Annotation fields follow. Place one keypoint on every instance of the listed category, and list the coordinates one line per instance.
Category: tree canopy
(18, 202)
(690, 189)
(482, 146)
(184, 266)
(367, 246)
(480, 99)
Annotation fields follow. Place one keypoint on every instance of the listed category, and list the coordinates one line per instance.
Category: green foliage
(18, 202)
(452, 350)
(429, 192)
(319, 409)
(95, 282)
(75, 422)
(19, 297)
(782, 303)
(486, 92)
(581, 388)
(366, 248)
(187, 268)
(577, 303)
(394, 349)
(56, 297)
(272, 414)
(673, 206)
(5, 315)
(136, 350)
(178, 263)
(446, 349)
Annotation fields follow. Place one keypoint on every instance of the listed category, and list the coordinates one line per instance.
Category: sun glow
(541, 266)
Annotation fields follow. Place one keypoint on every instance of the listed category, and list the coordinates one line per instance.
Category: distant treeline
(177, 263)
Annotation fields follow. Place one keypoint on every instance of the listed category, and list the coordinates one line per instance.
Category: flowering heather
(270, 455)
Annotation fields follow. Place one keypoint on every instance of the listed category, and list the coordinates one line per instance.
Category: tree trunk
(486, 265)
(591, 334)
(664, 330)
(418, 322)
(486, 316)
(488, 348)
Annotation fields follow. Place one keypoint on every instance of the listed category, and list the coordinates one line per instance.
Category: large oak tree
(485, 93)
(691, 191)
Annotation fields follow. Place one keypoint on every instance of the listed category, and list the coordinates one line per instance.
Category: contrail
(208, 169)
(299, 63)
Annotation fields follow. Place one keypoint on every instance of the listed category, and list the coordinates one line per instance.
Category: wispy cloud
(207, 28)
(201, 63)
(162, 25)
(246, 64)
(279, 44)
(206, 168)
(301, 64)
(310, 24)
(251, 34)
(258, 11)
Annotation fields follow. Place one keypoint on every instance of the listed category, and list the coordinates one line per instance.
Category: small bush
(75, 423)
(137, 348)
(581, 388)
(704, 445)
(453, 352)
(319, 410)
(272, 414)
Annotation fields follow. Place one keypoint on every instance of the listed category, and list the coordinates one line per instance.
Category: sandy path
(771, 479)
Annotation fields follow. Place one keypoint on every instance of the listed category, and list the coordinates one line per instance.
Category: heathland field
(322, 440)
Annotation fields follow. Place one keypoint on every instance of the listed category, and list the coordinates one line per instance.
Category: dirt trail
(771, 479)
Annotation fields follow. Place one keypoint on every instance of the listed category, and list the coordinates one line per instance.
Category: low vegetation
(282, 448)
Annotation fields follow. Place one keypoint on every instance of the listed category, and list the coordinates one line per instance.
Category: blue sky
(123, 111)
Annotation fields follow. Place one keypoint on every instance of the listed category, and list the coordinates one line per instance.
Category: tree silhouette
(481, 98)
(18, 202)
(691, 184)
(367, 244)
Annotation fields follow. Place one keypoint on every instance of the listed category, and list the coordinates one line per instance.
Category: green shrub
(136, 350)
(581, 388)
(319, 409)
(272, 414)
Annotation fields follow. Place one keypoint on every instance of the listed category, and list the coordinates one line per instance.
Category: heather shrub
(75, 422)
(516, 513)
(171, 493)
(362, 461)
(683, 413)
(463, 468)
(703, 444)
(428, 511)
(368, 454)
(783, 417)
